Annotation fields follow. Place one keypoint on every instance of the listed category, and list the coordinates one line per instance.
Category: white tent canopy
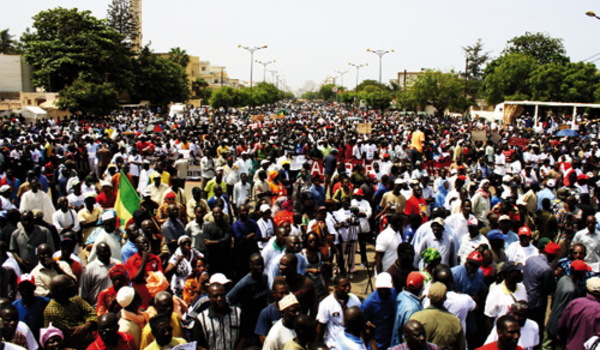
(32, 114)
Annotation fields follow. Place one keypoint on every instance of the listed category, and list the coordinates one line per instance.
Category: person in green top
(163, 333)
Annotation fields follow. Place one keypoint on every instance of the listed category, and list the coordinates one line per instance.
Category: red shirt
(416, 205)
(107, 302)
(106, 201)
(133, 266)
(125, 342)
(493, 346)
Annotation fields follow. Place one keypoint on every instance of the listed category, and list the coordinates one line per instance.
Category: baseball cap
(524, 231)
(398, 182)
(504, 218)
(265, 207)
(552, 248)
(359, 192)
(473, 222)
(26, 277)
(219, 278)
(439, 221)
(384, 280)
(580, 265)
(475, 257)
(593, 285)
(511, 266)
(415, 280)
(437, 290)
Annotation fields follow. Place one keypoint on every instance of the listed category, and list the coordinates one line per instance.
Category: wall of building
(15, 74)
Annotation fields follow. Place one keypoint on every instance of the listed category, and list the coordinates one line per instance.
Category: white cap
(106, 183)
(107, 215)
(89, 194)
(288, 301)
(550, 183)
(384, 280)
(219, 278)
(398, 182)
(125, 296)
(4, 188)
(264, 207)
(264, 161)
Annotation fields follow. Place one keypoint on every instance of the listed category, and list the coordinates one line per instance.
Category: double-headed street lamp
(273, 72)
(264, 64)
(341, 77)
(358, 67)
(251, 50)
(380, 53)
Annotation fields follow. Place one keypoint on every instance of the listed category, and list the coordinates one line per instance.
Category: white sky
(311, 39)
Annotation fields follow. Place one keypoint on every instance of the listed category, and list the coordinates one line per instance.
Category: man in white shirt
(331, 311)
(387, 243)
(283, 330)
(145, 175)
(523, 249)
(459, 221)
(590, 238)
(471, 241)
(65, 219)
(530, 337)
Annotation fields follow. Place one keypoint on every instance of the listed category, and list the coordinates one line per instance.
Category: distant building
(15, 74)
(405, 78)
(136, 19)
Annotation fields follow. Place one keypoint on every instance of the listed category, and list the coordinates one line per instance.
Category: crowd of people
(478, 243)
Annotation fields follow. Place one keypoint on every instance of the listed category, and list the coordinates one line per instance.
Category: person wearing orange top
(416, 146)
(277, 188)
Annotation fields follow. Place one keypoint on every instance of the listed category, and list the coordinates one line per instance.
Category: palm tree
(8, 46)
(179, 56)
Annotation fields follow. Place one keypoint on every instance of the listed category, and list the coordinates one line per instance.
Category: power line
(589, 58)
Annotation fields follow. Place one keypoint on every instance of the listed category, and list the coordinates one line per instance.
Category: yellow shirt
(175, 341)
(417, 141)
(147, 339)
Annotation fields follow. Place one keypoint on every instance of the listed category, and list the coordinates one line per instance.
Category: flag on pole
(127, 201)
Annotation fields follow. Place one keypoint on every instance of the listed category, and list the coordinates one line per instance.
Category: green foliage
(179, 56)
(201, 90)
(540, 46)
(377, 100)
(326, 92)
(370, 86)
(159, 80)
(571, 82)
(347, 97)
(119, 17)
(228, 97)
(477, 59)
(266, 93)
(68, 44)
(509, 78)
(309, 95)
(441, 90)
(89, 97)
(8, 45)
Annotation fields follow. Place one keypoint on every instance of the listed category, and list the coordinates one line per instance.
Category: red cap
(582, 177)
(373, 176)
(525, 231)
(552, 248)
(580, 265)
(415, 280)
(475, 257)
(170, 195)
(26, 278)
(359, 192)
(386, 155)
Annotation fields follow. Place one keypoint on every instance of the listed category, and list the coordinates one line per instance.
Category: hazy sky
(310, 39)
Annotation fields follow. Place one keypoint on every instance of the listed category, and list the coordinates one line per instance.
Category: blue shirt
(241, 229)
(510, 238)
(381, 190)
(347, 341)
(538, 278)
(128, 250)
(466, 283)
(381, 313)
(267, 318)
(408, 234)
(32, 316)
(406, 305)
(319, 193)
(545, 193)
(274, 266)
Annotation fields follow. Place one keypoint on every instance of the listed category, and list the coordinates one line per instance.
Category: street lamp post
(264, 64)
(251, 50)
(592, 14)
(358, 67)
(273, 72)
(341, 77)
(380, 53)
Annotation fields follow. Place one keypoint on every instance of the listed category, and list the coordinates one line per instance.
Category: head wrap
(117, 270)
(430, 254)
(182, 238)
(47, 333)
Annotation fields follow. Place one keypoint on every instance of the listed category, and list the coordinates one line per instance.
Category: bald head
(353, 319)
(108, 320)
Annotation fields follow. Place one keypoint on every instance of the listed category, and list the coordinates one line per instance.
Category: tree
(228, 97)
(571, 82)
(159, 80)
(477, 59)
(327, 92)
(441, 90)
(370, 85)
(309, 95)
(201, 90)
(119, 17)
(377, 99)
(540, 46)
(8, 45)
(88, 97)
(68, 44)
(508, 78)
(179, 56)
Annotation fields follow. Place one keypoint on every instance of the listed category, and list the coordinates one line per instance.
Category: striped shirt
(219, 333)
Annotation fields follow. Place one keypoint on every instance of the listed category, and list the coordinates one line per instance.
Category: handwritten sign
(495, 137)
(258, 118)
(277, 116)
(363, 128)
(518, 141)
(564, 126)
(479, 135)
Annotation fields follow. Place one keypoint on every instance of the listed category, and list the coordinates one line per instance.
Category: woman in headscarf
(277, 188)
(442, 192)
(481, 202)
(181, 264)
(431, 258)
(51, 338)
